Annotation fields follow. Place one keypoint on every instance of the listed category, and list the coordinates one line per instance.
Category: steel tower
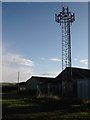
(65, 18)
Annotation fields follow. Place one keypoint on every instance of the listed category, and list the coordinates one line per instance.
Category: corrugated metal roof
(77, 73)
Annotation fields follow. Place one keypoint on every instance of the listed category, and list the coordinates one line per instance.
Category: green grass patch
(27, 107)
(18, 102)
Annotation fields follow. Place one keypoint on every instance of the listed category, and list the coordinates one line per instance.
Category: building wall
(43, 89)
(50, 89)
(82, 89)
(32, 84)
(89, 88)
(67, 89)
(55, 89)
(22, 87)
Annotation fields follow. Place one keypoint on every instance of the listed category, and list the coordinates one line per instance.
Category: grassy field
(24, 107)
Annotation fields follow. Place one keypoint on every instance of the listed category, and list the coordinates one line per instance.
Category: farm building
(71, 82)
(22, 86)
(78, 86)
(39, 85)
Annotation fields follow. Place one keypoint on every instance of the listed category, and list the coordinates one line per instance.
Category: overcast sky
(32, 40)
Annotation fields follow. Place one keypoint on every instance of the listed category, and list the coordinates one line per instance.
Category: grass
(17, 103)
(24, 107)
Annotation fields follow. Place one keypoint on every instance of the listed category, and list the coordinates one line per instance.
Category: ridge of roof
(40, 77)
(74, 70)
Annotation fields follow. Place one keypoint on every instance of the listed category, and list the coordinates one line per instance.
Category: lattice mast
(65, 18)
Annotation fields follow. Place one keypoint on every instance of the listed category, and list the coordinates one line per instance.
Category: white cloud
(50, 74)
(17, 59)
(51, 59)
(84, 61)
(75, 59)
(10, 74)
(14, 63)
(55, 59)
